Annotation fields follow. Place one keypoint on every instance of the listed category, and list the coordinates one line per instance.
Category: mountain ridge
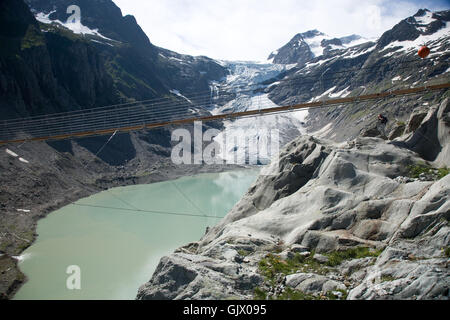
(306, 46)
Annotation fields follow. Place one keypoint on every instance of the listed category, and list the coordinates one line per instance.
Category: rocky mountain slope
(54, 65)
(389, 63)
(328, 221)
(314, 67)
(304, 47)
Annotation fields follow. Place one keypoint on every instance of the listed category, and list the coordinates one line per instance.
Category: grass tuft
(414, 171)
(337, 257)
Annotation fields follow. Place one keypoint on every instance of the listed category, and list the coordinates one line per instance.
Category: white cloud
(251, 29)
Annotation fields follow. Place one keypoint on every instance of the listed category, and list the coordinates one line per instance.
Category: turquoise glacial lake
(117, 248)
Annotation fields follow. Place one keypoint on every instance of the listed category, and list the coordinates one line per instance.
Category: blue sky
(251, 29)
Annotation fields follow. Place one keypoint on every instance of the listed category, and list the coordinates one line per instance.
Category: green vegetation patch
(442, 172)
(274, 268)
(125, 79)
(337, 257)
(291, 294)
(446, 252)
(243, 252)
(259, 294)
(33, 38)
(331, 295)
(272, 265)
(414, 171)
(387, 278)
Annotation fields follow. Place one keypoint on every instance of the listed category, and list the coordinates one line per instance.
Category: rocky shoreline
(53, 179)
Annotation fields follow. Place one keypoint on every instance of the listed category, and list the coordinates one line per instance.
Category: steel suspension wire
(101, 121)
(186, 214)
(137, 110)
(178, 121)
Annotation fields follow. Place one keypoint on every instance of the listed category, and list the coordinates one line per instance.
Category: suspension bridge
(141, 116)
(162, 112)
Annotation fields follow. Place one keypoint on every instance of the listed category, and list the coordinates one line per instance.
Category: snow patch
(176, 59)
(15, 155)
(315, 64)
(76, 27)
(23, 210)
(105, 43)
(322, 132)
(325, 94)
(411, 45)
(343, 93)
(426, 19)
(22, 257)
(406, 78)
(355, 53)
(315, 44)
(397, 78)
(176, 92)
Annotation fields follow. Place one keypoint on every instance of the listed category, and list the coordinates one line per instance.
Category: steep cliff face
(25, 63)
(296, 51)
(327, 221)
(133, 61)
(51, 65)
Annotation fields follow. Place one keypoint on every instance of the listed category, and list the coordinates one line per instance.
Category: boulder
(416, 119)
(431, 140)
(397, 131)
(320, 258)
(371, 132)
(320, 241)
(296, 248)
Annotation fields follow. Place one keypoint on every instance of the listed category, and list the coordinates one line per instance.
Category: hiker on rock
(381, 125)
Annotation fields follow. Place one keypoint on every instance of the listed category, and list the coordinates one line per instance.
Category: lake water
(118, 250)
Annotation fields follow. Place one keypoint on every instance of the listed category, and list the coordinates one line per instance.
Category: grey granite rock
(325, 197)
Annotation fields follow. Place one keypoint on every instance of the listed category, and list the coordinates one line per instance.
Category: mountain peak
(420, 28)
(312, 33)
(305, 46)
(421, 12)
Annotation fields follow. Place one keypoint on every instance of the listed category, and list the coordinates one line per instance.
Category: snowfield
(76, 27)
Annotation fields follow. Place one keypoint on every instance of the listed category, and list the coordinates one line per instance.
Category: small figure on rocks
(381, 125)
